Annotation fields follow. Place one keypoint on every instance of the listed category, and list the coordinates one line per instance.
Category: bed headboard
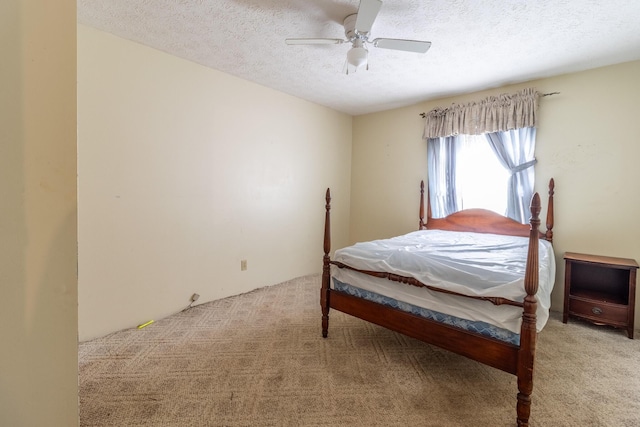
(484, 221)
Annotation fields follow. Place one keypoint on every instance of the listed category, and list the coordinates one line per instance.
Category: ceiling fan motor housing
(350, 27)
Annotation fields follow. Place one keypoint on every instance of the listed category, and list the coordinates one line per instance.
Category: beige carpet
(258, 359)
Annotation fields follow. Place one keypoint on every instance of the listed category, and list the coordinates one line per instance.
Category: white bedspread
(467, 263)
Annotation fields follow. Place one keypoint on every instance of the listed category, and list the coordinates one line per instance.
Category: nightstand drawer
(596, 310)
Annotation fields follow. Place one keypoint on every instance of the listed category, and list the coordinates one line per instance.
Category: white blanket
(474, 264)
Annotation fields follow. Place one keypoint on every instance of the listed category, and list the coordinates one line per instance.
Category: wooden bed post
(549, 232)
(422, 225)
(326, 267)
(528, 332)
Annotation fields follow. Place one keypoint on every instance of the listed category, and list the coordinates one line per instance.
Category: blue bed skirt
(481, 328)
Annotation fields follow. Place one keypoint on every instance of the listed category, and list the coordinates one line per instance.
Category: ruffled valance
(493, 114)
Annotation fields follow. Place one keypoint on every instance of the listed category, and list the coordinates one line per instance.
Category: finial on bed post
(528, 332)
(422, 225)
(326, 267)
(549, 232)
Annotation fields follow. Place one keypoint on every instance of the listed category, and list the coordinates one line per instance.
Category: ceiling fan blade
(401, 44)
(313, 41)
(367, 13)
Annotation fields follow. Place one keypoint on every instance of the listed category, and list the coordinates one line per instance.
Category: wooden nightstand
(600, 289)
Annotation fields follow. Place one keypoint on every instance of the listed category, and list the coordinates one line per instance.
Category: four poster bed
(466, 283)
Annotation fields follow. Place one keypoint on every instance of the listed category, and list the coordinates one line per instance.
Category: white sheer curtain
(515, 150)
(442, 158)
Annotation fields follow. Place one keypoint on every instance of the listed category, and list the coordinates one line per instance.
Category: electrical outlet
(243, 265)
(194, 297)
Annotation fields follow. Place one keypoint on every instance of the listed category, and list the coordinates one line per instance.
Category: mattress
(475, 264)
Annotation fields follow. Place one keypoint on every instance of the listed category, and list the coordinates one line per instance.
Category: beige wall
(184, 172)
(587, 140)
(38, 254)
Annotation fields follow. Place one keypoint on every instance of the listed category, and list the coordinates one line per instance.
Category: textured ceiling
(476, 44)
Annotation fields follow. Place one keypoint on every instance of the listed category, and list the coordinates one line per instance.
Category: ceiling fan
(356, 29)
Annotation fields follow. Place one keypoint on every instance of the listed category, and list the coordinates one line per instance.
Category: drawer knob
(596, 310)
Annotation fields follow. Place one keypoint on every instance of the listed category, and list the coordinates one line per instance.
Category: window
(493, 171)
(462, 174)
(481, 179)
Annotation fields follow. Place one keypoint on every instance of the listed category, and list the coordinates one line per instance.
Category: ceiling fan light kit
(356, 29)
(357, 56)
